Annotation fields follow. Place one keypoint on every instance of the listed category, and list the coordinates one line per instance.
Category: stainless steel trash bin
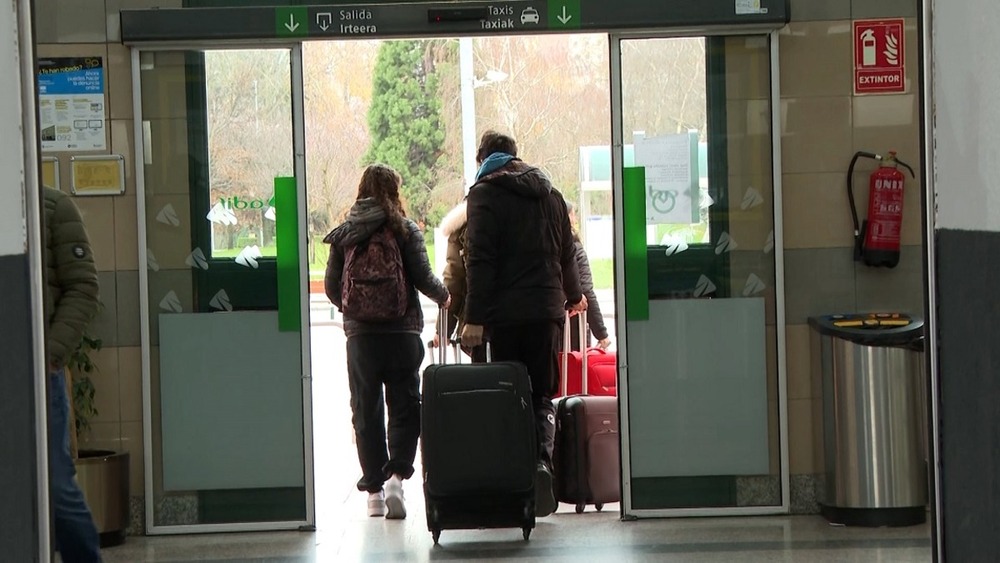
(871, 373)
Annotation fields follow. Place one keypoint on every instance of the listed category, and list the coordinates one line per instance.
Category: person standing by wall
(377, 264)
(521, 276)
(71, 302)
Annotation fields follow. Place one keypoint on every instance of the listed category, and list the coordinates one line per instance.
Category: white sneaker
(395, 508)
(376, 504)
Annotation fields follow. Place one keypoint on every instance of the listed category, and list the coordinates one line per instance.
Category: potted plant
(103, 475)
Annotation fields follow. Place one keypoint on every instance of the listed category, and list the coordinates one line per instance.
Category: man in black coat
(521, 277)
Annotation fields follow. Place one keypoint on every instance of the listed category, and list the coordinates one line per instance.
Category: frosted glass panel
(227, 400)
(698, 389)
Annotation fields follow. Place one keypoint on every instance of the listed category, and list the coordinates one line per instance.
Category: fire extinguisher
(876, 239)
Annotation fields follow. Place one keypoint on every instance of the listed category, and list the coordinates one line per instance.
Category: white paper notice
(671, 185)
(744, 7)
(71, 104)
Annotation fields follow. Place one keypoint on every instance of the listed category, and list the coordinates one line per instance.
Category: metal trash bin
(870, 369)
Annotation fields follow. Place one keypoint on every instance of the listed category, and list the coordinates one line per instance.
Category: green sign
(291, 22)
(564, 14)
(287, 235)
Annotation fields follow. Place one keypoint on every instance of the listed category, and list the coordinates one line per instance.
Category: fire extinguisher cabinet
(871, 427)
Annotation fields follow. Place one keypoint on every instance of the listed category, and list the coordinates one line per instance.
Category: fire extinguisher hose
(850, 187)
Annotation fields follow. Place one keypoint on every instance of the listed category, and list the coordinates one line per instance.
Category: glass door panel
(693, 143)
(229, 432)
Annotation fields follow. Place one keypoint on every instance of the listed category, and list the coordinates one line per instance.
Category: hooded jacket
(71, 293)
(365, 218)
(520, 262)
(453, 226)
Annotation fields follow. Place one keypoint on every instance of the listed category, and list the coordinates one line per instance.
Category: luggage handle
(582, 319)
(444, 340)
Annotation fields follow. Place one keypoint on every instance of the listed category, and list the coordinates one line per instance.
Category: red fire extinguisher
(876, 240)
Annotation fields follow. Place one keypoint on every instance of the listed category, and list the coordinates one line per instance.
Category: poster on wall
(71, 104)
(671, 163)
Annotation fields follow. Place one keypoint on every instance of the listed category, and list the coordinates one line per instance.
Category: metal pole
(24, 40)
(468, 110)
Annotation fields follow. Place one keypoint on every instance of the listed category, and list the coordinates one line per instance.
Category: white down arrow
(564, 17)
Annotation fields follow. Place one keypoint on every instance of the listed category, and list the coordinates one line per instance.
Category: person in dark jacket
(71, 302)
(388, 353)
(595, 320)
(521, 276)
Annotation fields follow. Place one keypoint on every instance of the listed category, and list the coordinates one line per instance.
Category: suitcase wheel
(599, 507)
(526, 532)
(580, 508)
(436, 534)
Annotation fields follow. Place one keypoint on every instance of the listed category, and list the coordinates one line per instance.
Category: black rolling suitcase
(478, 446)
(586, 460)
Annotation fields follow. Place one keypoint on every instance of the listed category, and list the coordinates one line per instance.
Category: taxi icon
(529, 15)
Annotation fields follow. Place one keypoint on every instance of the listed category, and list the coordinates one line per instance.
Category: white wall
(966, 59)
(13, 237)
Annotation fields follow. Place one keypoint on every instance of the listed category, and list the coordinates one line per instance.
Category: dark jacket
(520, 264)
(453, 226)
(594, 317)
(71, 293)
(364, 219)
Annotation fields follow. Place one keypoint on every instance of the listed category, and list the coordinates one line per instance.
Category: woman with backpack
(377, 264)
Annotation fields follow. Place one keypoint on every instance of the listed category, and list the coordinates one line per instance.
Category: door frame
(299, 166)
(628, 511)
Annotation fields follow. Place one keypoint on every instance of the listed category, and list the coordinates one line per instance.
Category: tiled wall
(90, 28)
(823, 125)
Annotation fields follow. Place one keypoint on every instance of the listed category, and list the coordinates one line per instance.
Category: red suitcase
(600, 370)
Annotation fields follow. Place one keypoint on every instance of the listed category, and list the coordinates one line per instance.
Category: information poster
(671, 163)
(71, 104)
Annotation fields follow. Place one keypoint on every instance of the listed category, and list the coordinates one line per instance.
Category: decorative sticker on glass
(151, 262)
(726, 244)
(248, 257)
(752, 198)
(222, 215)
(197, 260)
(769, 245)
(271, 214)
(675, 245)
(753, 286)
(704, 287)
(168, 216)
(220, 302)
(171, 303)
(749, 7)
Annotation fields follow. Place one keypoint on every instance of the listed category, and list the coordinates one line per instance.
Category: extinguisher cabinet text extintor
(877, 238)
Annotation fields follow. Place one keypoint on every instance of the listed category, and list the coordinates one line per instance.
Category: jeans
(392, 361)
(76, 536)
(536, 345)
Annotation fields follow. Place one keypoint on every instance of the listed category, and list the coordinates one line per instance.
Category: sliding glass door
(698, 275)
(225, 318)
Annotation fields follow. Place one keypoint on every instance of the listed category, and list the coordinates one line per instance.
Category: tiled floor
(564, 536)
(345, 534)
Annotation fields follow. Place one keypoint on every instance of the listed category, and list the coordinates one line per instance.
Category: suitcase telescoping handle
(567, 337)
(444, 340)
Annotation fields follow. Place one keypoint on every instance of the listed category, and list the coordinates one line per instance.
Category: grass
(317, 267)
(603, 269)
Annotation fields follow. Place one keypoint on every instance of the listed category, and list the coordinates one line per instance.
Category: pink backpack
(374, 287)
